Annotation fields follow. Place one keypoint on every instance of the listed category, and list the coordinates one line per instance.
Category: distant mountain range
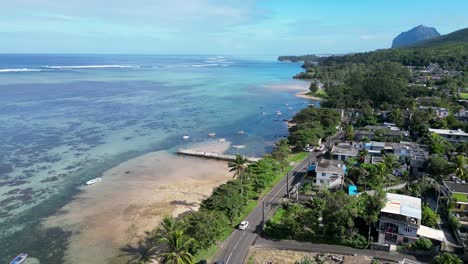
(414, 35)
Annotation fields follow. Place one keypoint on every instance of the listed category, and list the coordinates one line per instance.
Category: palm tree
(238, 166)
(391, 162)
(397, 116)
(281, 152)
(460, 170)
(362, 155)
(382, 171)
(177, 248)
(177, 244)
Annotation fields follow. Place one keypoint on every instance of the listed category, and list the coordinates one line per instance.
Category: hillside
(459, 37)
(414, 35)
(450, 51)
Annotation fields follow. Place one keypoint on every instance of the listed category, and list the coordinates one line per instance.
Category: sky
(244, 27)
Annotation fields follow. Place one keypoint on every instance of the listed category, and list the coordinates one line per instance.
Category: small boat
(93, 181)
(240, 132)
(185, 137)
(211, 134)
(19, 259)
(278, 113)
(290, 108)
(222, 140)
(238, 146)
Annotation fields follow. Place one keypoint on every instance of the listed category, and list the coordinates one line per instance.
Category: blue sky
(217, 27)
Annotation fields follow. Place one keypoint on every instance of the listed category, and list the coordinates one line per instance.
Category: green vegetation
(328, 217)
(429, 217)
(422, 244)
(447, 258)
(299, 58)
(313, 124)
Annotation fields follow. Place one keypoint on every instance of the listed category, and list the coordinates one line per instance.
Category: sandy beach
(132, 198)
(293, 85)
(303, 94)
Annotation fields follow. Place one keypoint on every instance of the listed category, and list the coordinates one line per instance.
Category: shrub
(356, 241)
(422, 243)
(454, 223)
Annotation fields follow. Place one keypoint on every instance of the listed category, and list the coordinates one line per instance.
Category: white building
(400, 221)
(454, 136)
(344, 151)
(329, 173)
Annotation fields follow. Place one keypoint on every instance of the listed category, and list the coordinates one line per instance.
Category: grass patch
(464, 96)
(299, 156)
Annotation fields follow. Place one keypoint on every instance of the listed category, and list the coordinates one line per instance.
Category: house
(458, 190)
(329, 173)
(374, 148)
(343, 151)
(453, 136)
(386, 131)
(440, 112)
(400, 221)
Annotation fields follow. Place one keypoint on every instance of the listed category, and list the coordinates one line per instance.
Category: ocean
(65, 119)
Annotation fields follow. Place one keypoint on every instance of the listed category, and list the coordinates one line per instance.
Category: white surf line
(232, 251)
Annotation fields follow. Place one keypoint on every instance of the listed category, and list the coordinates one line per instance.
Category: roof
(403, 205)
(431, 233)
(345, 149)
(329, 166)
(458, 132)
(378, 144)
(458, 187)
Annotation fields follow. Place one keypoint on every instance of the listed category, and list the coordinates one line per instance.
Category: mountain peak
(414, 35)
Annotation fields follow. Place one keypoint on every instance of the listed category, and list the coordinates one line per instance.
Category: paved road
(334, 249)
(234, 249)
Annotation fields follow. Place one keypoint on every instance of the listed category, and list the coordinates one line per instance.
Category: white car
(320, 148)
(243, 225)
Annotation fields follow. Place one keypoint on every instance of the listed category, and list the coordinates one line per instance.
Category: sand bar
(132, 198)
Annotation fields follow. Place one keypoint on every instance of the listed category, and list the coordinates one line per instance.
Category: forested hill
(450, 51)
(459, 37)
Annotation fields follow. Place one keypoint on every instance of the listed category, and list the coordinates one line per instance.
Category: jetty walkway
(212, 155)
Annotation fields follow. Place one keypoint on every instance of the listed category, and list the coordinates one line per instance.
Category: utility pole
(287, 184)
(263, 215)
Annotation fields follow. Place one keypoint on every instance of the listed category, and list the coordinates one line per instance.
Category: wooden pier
(212, 155)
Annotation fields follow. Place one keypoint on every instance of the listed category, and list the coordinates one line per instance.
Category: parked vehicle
(243, 225)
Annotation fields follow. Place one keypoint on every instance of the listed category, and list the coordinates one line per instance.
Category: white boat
(19, 259)
(278, 113)
(222, 140)
(238, 146)
(240, 132)
(290, 108)
(93, 181)
(185, 137)
(211, 134)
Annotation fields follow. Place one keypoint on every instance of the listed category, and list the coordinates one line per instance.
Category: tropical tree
(397, 116)
(281, 152)
(437, 144)
(460, 170)
(382, 172)
(177, 251)
(238, 166)
(349, 132)
(370, 207)
(391, 162)
(446, 258)
(176, 243)
(362, 155)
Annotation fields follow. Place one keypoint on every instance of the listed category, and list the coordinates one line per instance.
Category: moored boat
(93, 181)
(222, 140)
(185, 137)
(211, 134)
(19, 259)
(240, 132)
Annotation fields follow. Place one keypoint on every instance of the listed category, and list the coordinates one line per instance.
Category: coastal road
(234, 249)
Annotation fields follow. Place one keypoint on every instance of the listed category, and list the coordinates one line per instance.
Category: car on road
(243, 225)
(319, 148)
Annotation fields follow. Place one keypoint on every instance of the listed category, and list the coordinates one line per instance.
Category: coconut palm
(177, 251)
(362, 155)
(239, 166)
(460, 170)
(397, 116)
(382, 172)
(391, 162)
(281, 152)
